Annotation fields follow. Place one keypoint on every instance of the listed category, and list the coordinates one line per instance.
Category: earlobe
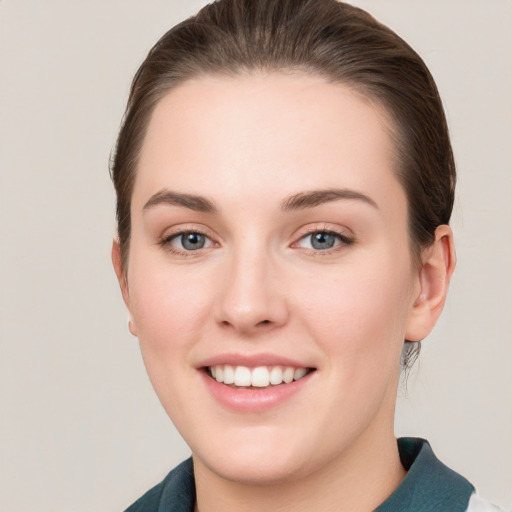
(438, 264)
(131, 326)
(123, 283)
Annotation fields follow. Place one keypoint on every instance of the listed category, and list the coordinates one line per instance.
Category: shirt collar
(429, 485)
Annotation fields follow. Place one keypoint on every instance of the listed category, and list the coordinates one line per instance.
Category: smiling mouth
(258, 377)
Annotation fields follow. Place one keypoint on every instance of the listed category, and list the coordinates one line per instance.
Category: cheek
(361, 312)
(169, 306)
(171, 312)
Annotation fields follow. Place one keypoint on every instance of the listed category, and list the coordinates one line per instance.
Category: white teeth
(259, 377)
(229, 374)
(276, 375)
(242, 376)
(288, 374)
(299, 373)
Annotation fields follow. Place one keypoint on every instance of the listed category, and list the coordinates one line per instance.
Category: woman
(284, 182)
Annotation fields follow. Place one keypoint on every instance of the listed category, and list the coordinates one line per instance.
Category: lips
(258, 377)
(254, 383)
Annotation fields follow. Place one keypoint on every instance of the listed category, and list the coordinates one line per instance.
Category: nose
(252, 299)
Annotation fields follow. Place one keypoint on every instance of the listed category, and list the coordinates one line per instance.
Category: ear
(123, 282)
(438, 264)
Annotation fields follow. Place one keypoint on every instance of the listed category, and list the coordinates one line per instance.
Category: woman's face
(269, 238)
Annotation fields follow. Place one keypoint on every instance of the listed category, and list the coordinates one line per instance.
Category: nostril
(264, 322)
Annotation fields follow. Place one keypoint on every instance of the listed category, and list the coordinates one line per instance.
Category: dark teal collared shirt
(429, 486)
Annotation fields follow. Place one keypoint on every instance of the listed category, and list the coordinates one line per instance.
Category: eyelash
(342, 241)
(166, 243)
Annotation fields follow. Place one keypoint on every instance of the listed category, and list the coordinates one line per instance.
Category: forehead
(288, 130)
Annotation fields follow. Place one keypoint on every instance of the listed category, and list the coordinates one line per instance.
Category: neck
(357, 482)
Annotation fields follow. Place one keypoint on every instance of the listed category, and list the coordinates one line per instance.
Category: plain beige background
(80, 426)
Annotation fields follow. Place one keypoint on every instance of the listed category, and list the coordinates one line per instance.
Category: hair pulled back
(337, 41)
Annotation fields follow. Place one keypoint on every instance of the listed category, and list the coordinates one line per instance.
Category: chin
(259, 457)
(259, 471)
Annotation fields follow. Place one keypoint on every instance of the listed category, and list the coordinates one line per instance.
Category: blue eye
(323, 240)
(190, 241)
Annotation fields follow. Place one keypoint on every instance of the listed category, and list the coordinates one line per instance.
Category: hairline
(364, 92)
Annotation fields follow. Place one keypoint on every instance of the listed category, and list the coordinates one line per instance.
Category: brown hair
(332, 39)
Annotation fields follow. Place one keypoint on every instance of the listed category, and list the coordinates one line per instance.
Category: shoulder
(478, 504)
(430, 486)
(176, 492)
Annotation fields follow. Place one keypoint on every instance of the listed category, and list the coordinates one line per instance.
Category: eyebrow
(313, 198)
(300, 201)
(190, 201)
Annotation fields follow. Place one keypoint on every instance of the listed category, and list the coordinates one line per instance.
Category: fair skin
(276, 276)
